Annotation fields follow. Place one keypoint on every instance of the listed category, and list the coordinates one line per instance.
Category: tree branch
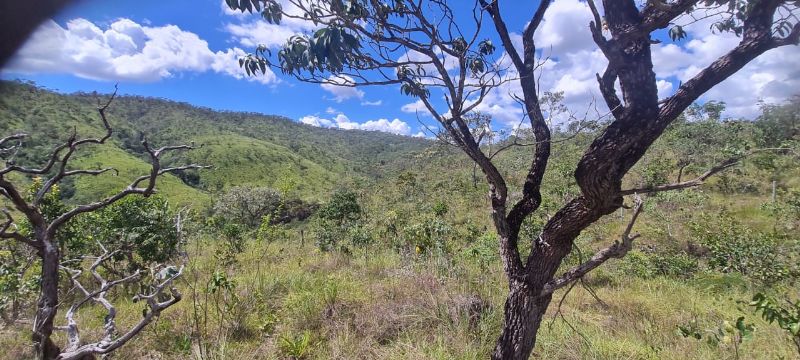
(108, 344)
(700, 179)
(617, 250)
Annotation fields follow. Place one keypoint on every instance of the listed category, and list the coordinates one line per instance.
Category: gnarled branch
(616, 250)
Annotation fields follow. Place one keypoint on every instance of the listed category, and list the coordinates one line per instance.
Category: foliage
(483, 250)
(338, 222)
(71, 240)
(440, 209)
(733, 246)
(247, 205)
(787, 316)
(268, 231)
(651, 264)
(343, 207)
(726, 334)
(141, 229)
(18, 282)
(295, 346)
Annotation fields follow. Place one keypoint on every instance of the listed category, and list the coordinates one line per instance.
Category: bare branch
(109, 343)
(10, 224)
(700, 179)
(17, 137)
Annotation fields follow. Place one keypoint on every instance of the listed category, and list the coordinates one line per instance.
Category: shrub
(343, 207)
(648, 265)
(733, 246)
(142, 229)
(247, 205)
(483, 250)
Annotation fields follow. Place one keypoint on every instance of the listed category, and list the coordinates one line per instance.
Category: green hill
(243, 148)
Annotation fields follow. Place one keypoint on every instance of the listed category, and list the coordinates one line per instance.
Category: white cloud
(772, 77)
(316, 121)
(415, 107)
(664, 89)
(565, 28)
(372, 103)
(575, 59)
(344, 90)
(125, 50)
(251, 30)
(259, 32)
(341, 121)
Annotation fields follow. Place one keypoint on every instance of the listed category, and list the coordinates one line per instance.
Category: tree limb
(617, 250)
(700, 179)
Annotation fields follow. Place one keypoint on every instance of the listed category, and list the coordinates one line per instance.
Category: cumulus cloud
(772, 77)
(341, 88)
(565, 28)
(250, 30)
(415, 107)
(314, 120)
(372, 103)
(573, 60)
(341, 121)
(125, 50)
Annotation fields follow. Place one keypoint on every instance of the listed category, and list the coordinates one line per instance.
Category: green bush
(649, 265)
(734, 247)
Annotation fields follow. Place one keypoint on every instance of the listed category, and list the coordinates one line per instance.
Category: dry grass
(391, 307)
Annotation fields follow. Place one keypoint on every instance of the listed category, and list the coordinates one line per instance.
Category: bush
(733, 247)
(247, 205)
(343, 207)
(649, 265)
(483, 250)
(141, 228)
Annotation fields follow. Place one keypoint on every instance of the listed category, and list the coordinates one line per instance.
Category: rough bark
(48, 304)
(523, 314)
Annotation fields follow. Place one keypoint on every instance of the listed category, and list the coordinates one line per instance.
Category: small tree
(46, 227)
(424, 49)
(248, 205)
(338, 219)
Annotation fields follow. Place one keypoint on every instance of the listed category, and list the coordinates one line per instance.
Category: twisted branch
(108, 343)
(617, 250)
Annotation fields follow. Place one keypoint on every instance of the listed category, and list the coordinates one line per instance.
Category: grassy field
(420, 307)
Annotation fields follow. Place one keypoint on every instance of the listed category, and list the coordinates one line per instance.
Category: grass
(394, 307)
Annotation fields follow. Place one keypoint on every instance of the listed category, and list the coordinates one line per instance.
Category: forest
(296, 244)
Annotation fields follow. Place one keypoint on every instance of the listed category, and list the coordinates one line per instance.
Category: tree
(420, 46)
(43, 230)
(248, 205)
(339, 219)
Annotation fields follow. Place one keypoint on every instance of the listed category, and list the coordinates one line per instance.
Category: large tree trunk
(523, 315)
(48, 304)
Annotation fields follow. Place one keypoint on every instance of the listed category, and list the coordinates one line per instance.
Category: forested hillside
(244, 148)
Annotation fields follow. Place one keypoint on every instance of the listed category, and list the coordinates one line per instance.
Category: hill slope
(244, 148)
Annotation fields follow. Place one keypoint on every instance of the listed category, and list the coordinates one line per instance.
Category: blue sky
(187, 50)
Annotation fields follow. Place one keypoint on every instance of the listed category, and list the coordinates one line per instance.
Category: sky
(187, 51)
